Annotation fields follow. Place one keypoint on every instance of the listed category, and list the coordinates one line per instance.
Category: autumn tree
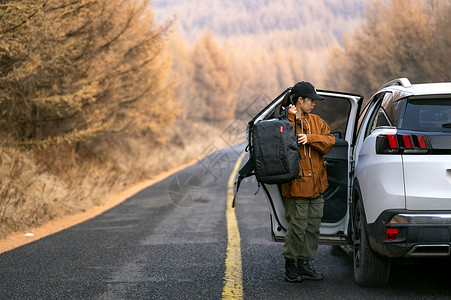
(79, 71)
(183, 72)
(401, 38)
(214, 80)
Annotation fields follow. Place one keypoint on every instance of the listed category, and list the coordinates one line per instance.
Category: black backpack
(274, 152)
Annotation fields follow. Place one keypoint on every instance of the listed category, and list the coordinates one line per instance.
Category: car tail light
(391, 234)
(401, 143)
(407, 141)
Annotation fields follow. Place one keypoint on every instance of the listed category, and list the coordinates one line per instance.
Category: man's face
(307, 104)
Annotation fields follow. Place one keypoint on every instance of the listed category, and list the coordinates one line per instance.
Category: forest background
(97, 95)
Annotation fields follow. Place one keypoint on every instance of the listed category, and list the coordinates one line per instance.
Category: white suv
(389, 175)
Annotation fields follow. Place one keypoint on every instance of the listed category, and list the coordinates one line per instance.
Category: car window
(387, 105)
(362, 116)
(428, 115)
(377, 115)
(398, 111)
(335, 111)
(374, 118)
(381, 119)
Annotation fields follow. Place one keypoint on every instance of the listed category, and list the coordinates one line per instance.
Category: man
(303, 195)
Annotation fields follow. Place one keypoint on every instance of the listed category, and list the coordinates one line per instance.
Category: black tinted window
(382, 118)
(335, 111)
(428, 115)
(398, 111)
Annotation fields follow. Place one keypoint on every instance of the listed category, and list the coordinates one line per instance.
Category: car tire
(370, 269)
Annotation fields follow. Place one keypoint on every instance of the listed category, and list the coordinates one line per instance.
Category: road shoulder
(21, 238)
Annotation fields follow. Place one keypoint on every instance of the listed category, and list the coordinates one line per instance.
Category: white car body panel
(279, 208)
(428, 184)
(381, 178)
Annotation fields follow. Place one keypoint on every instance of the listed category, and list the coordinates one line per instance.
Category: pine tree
(79, 71)
(402, 38)
(214, 80)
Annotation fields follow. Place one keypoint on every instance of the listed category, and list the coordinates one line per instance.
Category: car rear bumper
(418, 234)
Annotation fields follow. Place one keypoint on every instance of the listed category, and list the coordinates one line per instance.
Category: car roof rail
(404, 82)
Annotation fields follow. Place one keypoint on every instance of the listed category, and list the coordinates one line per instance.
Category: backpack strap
(284, 114)
(246, 171)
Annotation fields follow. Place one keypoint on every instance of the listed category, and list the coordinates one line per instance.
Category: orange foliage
(401, 38)
(214, 80)
(76, 71)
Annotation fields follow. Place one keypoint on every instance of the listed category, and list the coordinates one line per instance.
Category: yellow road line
(233, 279)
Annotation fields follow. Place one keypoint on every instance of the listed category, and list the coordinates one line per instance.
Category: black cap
(305, 89)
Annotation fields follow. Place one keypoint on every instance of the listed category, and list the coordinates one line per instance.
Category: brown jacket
(312, 180)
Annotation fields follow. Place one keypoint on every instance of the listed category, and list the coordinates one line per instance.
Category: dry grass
(25, 191)
(38, 187)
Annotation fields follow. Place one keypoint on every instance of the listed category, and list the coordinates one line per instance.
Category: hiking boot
(307, 271)
(291, 271)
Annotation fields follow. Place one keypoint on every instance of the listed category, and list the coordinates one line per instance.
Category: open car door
(340, 111)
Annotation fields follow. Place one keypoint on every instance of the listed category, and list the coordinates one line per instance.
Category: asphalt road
(169, 242)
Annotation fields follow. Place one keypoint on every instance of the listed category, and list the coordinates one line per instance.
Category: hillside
(271, 44)
(308, 23)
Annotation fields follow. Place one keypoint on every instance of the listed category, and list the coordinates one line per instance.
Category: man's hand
(292, 109)
(302, 139)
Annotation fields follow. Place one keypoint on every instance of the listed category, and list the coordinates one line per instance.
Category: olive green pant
(304, 219)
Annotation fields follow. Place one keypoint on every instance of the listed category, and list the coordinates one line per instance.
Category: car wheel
(370, 269)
